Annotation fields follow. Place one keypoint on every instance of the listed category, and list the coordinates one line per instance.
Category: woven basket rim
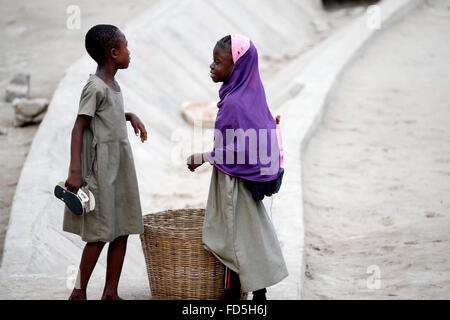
(173, 228)
(176, 213)
(173, 211)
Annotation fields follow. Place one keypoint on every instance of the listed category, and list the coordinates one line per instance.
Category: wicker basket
(178, 266)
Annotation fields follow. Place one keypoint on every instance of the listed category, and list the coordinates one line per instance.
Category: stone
(29, 111)
(19, 87)
(3, 131)
(39, 117)
(205, 112)
(21, 120)
(30, 107)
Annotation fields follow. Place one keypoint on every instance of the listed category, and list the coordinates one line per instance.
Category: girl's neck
(106, 72)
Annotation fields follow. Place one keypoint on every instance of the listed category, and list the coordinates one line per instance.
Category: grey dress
(238, 231)
(107, 168)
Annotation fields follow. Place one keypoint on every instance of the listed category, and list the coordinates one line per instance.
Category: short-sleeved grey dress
(107, 168)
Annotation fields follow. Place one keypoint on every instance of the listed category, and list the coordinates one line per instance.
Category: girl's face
(121, 54)
(222, 64)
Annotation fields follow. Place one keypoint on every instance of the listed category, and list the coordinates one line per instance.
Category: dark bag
(267, 188)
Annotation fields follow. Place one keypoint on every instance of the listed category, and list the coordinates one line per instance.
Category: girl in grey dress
(101, 158)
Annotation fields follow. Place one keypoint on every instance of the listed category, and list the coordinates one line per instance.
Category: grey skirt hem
(275, 278)
(102, 239)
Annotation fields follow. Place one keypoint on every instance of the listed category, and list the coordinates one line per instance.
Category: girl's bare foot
(78, 294)
(111, 297)
(260, 295)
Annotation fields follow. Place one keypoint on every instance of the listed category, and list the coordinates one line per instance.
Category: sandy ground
(377, 172)
(35, 39)
(45, 287)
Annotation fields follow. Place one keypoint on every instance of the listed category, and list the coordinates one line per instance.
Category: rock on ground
(19, 87)
(29, 110)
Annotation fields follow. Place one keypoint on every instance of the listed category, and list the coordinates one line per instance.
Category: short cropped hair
(100, 39)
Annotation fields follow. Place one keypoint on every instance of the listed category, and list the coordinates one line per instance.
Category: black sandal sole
(70, 199)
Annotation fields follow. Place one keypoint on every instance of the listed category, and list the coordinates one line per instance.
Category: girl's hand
(138, 126)
(194, 161)
(74, 182)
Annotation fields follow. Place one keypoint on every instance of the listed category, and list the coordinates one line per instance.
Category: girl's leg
(260, 294)
(232, 285)
(89, 259)
(116, 254)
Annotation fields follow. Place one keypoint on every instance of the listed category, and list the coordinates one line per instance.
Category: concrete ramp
(171, 49)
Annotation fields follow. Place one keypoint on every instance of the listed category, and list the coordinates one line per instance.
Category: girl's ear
(114, 53)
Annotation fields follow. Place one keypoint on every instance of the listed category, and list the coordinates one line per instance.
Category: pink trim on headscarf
(279, 139)
(239, 46)
(280, 146)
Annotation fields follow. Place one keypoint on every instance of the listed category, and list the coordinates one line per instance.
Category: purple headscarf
(245, 138)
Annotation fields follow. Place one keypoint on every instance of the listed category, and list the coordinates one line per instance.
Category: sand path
(377, 172)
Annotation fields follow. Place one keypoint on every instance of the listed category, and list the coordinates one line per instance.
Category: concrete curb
(318, 79)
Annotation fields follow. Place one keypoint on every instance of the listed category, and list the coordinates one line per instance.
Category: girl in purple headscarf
(247, 162)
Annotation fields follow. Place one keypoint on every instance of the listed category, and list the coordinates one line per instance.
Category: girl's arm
(75, 179)
(137, 124)
(195, 160)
